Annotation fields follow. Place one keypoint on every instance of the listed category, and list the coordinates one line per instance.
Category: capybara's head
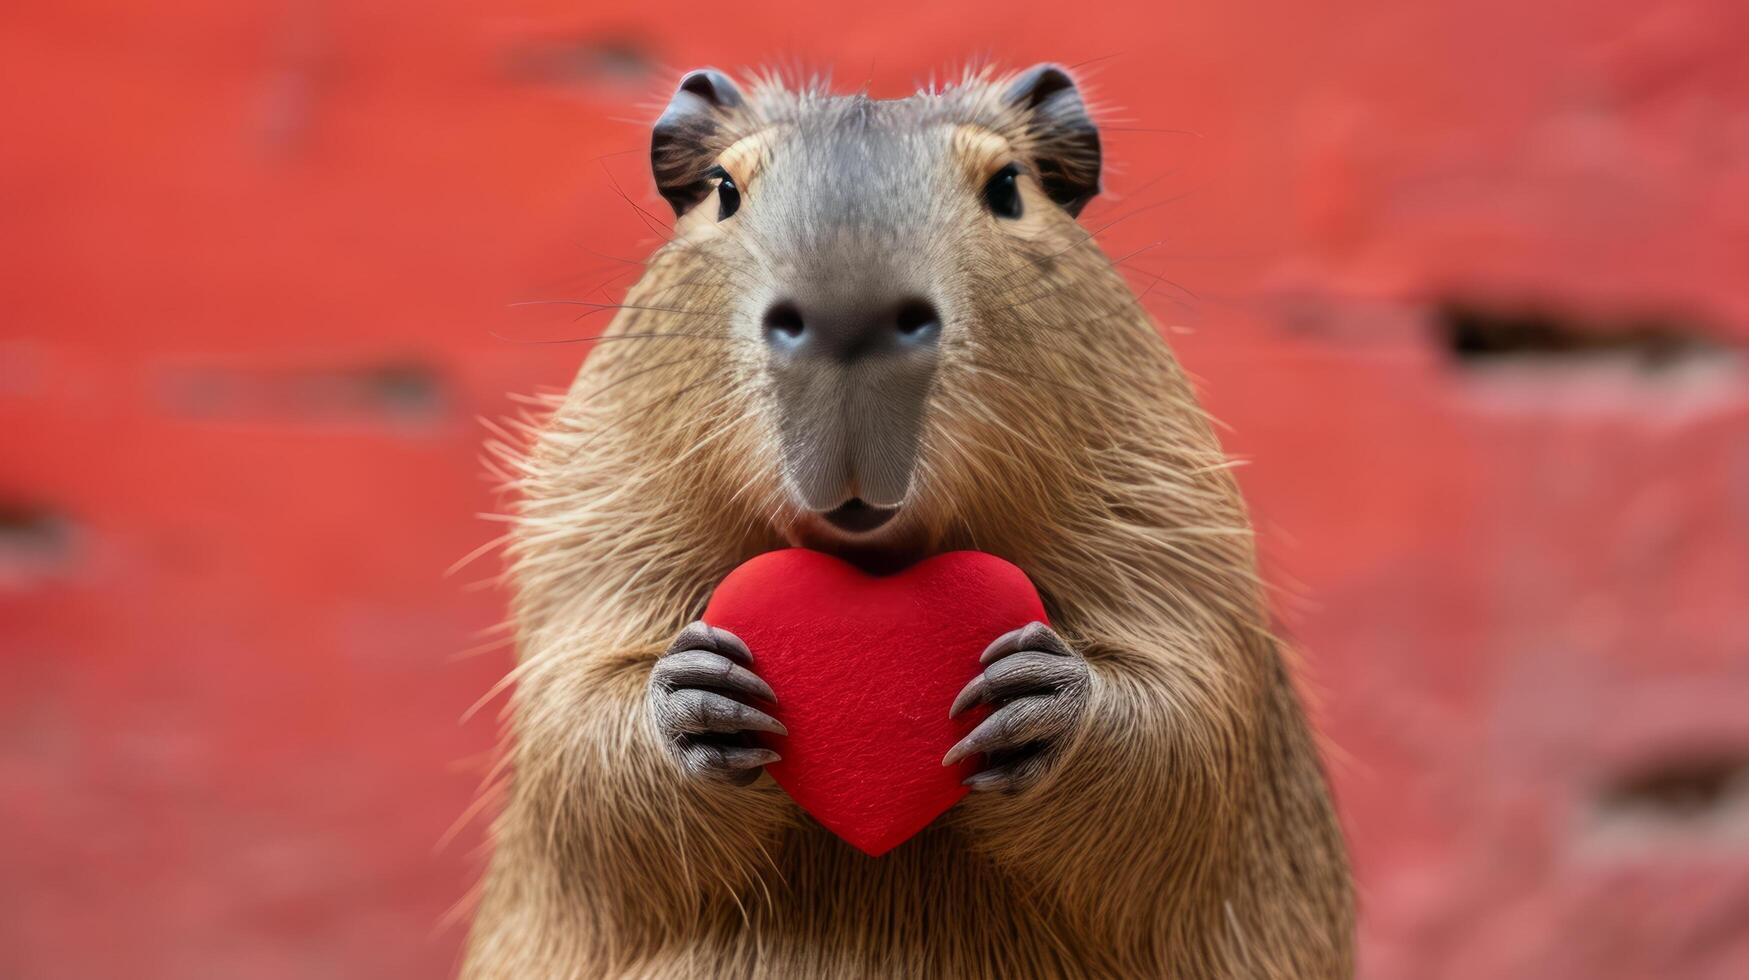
(901, 289)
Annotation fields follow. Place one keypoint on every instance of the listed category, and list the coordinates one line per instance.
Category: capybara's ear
(694, 128)
(1062, 137)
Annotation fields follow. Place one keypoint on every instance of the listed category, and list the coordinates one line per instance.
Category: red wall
(256, 260)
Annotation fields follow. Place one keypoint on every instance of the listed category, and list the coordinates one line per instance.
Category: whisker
(655, 224)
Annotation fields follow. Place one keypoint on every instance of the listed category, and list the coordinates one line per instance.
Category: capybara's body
(1158, 810)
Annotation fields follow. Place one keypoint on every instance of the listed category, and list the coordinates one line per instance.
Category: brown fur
(1184, 831)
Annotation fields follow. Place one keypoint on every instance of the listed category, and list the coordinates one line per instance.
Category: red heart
(865, 669)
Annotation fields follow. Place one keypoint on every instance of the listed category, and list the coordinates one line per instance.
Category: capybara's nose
(854, 330)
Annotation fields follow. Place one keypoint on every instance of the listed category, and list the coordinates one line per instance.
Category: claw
(730, 645)
(972, 693)
(699, 635)
(1017, 675)
(699, 668)
(733, 764)
(695, 711)
(1028, 719)
(1032, 636)
(735, 758)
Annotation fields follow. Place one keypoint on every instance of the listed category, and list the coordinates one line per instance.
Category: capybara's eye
(728, 195)
(1002, 193)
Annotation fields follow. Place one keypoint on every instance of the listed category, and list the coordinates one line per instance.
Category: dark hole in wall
(580, 60)
(1682, 789)
(412, 390)
(392, 391)
(1478, 335)
(33, 537)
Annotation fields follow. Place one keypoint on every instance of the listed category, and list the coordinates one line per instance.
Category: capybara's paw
(701, 699)
(1039, 688)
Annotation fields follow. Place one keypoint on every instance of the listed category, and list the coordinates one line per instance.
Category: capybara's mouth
(855, 516)
(876, 539)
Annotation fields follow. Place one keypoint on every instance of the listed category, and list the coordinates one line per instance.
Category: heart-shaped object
(865, 668)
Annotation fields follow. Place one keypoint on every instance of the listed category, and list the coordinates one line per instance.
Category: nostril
(783, 325)
(917, 321)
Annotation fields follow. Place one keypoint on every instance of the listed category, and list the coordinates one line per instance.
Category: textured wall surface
(1464, 280)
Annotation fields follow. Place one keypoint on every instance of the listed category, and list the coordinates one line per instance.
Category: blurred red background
(1464, 280)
